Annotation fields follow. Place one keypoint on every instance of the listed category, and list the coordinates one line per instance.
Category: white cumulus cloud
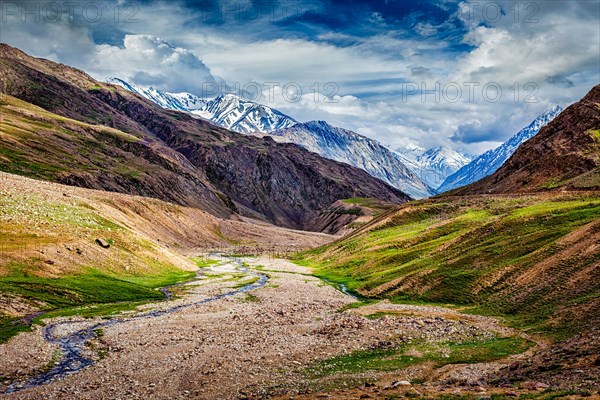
(150, 61)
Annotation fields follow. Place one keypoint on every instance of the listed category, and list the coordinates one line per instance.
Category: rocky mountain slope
(490, 161)
(433, 165)
(564, 155)
(43, 145)
(346, 216)
(349, 147)
(281, 183)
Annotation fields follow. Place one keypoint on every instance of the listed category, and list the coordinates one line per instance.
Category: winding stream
(341, 287)
(73, 345)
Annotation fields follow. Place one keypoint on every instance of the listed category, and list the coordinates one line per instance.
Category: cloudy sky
(464, 74)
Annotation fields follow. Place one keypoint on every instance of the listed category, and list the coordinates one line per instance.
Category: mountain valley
(158, 245)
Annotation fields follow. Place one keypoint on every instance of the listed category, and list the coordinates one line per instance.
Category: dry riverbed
(287, 338)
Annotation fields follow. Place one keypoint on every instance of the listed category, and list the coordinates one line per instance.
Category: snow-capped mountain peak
(489, 162)
(173, 101)
(433, 165)
(244, 116)
(227, 110)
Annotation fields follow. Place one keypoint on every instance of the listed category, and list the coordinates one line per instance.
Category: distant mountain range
(433, 165)
(416, 171)
(247, 117)
(490, 161)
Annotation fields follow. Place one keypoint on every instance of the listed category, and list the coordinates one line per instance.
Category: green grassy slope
(534, 259)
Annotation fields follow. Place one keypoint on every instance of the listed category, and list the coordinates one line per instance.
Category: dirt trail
(247, 344)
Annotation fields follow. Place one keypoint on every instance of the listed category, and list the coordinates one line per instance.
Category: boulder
(103, 243)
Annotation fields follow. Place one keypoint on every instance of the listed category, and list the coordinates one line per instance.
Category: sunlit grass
(463, 252)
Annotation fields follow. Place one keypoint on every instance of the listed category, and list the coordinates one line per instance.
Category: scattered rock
(103, 243)
(413, 393)
(540, 385)
(49, 262)
(400, 383)
(536, 385)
